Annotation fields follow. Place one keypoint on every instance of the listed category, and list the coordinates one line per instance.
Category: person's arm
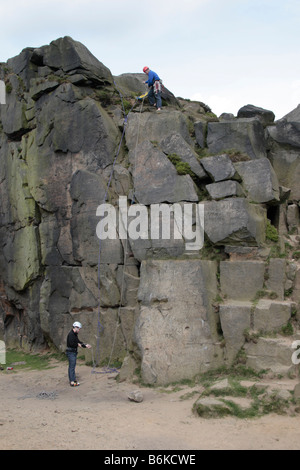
(83, 345)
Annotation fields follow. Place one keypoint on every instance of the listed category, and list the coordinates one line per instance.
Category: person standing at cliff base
(154, 83)
(72, 349)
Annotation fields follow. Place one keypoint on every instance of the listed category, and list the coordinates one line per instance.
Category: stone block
(156, 179)
(240, 280)
(224, 189)
(219, 167)
(286, 132)
(244, 135)
(155, 127)
(271, 315)
(274, 354)
(176, 330)
(234, 221)
(200, 131)
(293, 217)
(276, 277)
(259, 180)
(264, 115)
(286, 164)
(235, 318)
(175, 143)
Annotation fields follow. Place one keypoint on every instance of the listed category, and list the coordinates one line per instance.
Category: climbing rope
(100, 327)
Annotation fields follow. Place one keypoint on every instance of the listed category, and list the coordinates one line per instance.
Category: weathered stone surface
(37, 88)
(273, 354)
(81, 125)
(235, 318)
(156, 179)
(200, 131)
(293, 217)
(296, 292)
(227, 117)
(219, 167)
(176, 329)
(259, 179)
(240, 280)
(25, 265)
(175, 143)
(20, 65)
(270, 315)
(276, 277)
(164, 246)
(69, 55)
(155, 127)
(286, 164)
(287, 129)
(13, 113)
(234, 222)
(224, 189)
(284, 151)
(245, 135)
(87, 191)
(249, 111)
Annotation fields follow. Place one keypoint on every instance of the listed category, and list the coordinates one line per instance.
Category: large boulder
(156, 179)
(249, 111)
(72, 57)
(234, 221)
(259, 180)
(175, 143)
(155, 127)
(287, 129)
(284, 153)
(286, 164)
(244, 135)
(219, 167)
(82, 125)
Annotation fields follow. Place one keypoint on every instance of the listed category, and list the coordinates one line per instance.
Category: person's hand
(88, 346)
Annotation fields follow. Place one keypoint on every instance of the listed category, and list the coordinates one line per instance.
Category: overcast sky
(226, 53)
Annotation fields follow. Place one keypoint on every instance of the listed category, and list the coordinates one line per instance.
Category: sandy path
(98, 415)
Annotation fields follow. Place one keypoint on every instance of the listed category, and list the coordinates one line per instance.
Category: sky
(225, 53)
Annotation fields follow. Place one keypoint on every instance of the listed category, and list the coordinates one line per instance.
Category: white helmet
(77, 324)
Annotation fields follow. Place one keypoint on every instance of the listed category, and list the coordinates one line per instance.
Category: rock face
(177, 327)
(159, 232)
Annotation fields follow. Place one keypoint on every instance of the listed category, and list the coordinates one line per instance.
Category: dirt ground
(40, 411)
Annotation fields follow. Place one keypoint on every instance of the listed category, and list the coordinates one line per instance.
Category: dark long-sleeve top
(73, 340)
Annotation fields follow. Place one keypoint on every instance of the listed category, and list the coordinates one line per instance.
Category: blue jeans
(154, 98)
(72, 356)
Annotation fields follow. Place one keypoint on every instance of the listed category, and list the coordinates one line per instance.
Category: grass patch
(21, 360)
(271, 232)
(183, 168)
(224, 401)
